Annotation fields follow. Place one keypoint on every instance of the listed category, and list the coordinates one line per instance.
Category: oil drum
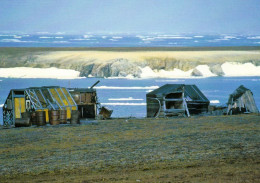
(22, 122)
(63, 116)
(74, 117)
(41, 118)
(54, 116)
(33, 118)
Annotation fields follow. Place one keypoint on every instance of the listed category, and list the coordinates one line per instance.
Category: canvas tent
(36, 99)
(241, 101)
(176, 99)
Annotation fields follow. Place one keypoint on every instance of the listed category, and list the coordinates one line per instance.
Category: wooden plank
(173, 100)
(174, 110)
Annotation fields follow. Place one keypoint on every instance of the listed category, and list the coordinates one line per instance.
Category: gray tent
(241, 101)
(176, 99)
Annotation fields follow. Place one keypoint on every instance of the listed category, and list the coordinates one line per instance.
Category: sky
(131, 16)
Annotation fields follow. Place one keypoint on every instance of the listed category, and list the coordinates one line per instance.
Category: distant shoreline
(224, 48)
(132, 62)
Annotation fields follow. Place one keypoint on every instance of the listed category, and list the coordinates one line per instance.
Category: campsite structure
(32, 99)
(241, 101)
(176, 99)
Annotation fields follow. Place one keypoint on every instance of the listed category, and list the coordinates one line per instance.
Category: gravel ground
(127, 150)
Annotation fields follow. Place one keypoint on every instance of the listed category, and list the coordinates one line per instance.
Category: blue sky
(131, 16)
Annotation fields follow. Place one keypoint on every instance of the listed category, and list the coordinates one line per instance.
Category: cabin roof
(189, 90)
(47, 97)
(237, 93)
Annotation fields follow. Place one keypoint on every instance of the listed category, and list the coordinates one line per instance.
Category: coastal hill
(136, 62)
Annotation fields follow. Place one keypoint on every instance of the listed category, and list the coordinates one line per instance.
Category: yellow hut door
(19, 107)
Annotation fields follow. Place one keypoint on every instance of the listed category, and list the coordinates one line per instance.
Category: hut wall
(246, 101)
(152, 106)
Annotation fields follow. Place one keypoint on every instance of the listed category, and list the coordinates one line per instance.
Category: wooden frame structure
(241, 101)
(175, 100)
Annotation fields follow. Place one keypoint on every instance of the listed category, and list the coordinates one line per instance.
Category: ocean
(126, 40)
(127, 97)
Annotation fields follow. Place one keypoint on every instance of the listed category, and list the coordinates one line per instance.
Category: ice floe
(118, 103)
(125, 99)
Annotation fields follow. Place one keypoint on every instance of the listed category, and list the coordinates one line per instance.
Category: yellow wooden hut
(36, 99)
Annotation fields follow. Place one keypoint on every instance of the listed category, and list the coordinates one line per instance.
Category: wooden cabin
(175, 100)
(36, 99)
(86, 100)
(241, 101)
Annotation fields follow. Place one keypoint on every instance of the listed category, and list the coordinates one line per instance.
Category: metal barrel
(41, 118)
(63, 116)
(74, 117)
(33, 118)
(54, 117)
(22, 122)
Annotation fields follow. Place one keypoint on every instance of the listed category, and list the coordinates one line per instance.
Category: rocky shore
(117, 63)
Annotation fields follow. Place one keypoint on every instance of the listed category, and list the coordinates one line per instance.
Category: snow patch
(205, 71)
(147, 72)
(28, 72)
(238, 69)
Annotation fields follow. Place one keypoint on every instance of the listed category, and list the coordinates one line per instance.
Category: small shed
(36, 99)
(176, 99)
(241, 101)
(86, 100)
